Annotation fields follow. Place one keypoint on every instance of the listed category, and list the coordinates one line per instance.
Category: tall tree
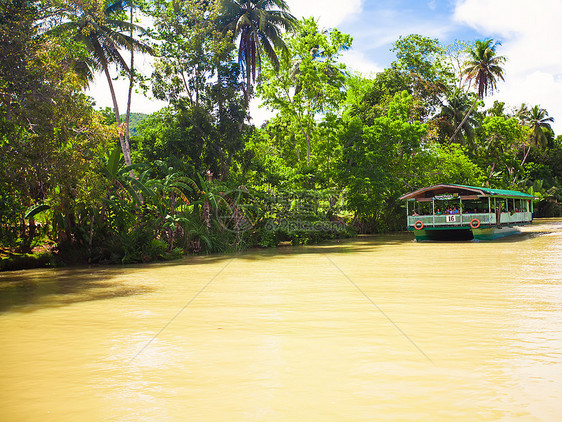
(49, 131)
(309, 82)
(131, 77)
(204, 126)
(497, 147)
(259, 24)
(189, 50)
(377, 161)
(103, 32)
(452, 114)
(483, 68)
(423, 61)
(536, 119)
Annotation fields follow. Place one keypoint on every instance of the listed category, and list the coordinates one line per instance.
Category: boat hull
(443, 234)
(463, 233)
(491, 233)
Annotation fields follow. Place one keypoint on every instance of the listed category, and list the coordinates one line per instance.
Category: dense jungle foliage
(198, 176)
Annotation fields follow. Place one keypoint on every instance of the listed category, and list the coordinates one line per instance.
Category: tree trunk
(247, 90)
(297, 150)
(28, 237)
(249, 62)
(522, 163)
(492, 171)
(307, 148)
(124, 145)
(91, 236)
(219, 91)
(463, 121)
(129, 98)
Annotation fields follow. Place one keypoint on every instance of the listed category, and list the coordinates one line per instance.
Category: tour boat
(459, 212)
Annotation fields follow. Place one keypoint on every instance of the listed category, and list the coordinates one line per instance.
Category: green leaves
(309, 84)
(36, 209)
(422, 56)
(113, 163)
(378, 157)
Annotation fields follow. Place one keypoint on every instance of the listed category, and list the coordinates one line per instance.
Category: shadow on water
(340, 246)
(362, 243)
(31, 290)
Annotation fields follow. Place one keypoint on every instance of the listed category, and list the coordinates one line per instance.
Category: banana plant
(170, 196)
(538, 190)
(173, 186)
(36, 209)
(119, 175)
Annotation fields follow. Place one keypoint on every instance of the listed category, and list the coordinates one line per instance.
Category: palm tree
(103, 34)
(539, 119)
(522, 114)
(483, 69)
(452, 114)
(259, 24)
(536, 119)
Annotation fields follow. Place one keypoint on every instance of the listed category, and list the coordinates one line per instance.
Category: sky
(530, 34)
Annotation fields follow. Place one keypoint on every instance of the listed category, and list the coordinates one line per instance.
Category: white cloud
(99, 90)
(330, 13)
(259, 113)
(531, 37)
(357, 61)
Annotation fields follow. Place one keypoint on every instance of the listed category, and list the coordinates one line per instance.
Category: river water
(374, 328)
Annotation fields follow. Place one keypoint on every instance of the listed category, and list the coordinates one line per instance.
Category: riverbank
(46, 256)
(40, 257)
(124, 251)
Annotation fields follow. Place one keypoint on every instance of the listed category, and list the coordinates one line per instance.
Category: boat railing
(464, 219)
(516, 217)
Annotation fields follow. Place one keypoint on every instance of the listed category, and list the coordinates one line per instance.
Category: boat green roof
(431, 191)
(502, 192)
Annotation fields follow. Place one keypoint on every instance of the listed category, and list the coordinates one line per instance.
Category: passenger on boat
(498, 215)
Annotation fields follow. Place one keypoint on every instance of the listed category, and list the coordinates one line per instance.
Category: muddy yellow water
(376, 328)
